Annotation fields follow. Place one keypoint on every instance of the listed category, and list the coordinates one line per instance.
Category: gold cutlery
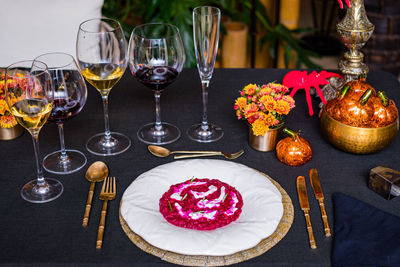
(96, 172)
(316, 186)
(108, 192)
(163, 152)
(215, 153)
(305, 206)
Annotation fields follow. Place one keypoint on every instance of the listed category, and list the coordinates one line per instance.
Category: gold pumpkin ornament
(293, 150)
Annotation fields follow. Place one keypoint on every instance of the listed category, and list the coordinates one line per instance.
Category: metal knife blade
(302, 193)
(315, 184)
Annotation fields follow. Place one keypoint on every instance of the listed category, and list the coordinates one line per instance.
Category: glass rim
(215, 11)
(100, 19)
(175, 29)
(11, 66)
(56, 53)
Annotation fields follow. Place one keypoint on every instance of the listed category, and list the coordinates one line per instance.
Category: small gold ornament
(293, 150)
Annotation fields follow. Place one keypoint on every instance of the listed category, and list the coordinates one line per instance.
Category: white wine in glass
(29, 95)
(102, 55)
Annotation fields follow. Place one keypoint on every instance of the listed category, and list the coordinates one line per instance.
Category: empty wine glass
(29, 96)
(206, 21)
(70, 95)
(156, 57)
(102, 56)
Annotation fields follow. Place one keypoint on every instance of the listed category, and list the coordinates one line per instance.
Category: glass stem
(64, 156)
(157, 95)
(204, 90)
(40, 178)
(106, 120)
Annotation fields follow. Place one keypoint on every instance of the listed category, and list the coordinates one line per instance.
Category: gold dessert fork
(108, 192)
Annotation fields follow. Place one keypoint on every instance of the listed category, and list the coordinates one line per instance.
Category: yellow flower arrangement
(6, 119)
(263, 107)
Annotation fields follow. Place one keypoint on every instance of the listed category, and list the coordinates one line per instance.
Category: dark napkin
(364, 235)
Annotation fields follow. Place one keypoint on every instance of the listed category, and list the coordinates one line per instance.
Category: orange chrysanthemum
(260, 127)
(282, 107)
(270, 119)
(268, 102)
(3, 106)
(250, 89)
(250, 110)
(241, 102)
(7, 121)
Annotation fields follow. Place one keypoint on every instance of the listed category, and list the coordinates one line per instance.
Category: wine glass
(70, 95)
(156, 57)
(206, 21)
(102, 56)
(29, 95)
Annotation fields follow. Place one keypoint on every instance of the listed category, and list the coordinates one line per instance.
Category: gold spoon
(96, 172)
(164, 152)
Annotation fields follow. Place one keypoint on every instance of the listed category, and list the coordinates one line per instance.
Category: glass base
(50, 190)
(198, 134)
(149, 135)
(117, 144)
(75, 161)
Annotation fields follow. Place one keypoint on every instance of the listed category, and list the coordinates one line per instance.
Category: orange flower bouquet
(6, 119)
(263, 107)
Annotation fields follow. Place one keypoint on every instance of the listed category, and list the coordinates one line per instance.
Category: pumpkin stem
(384, 98)
(362, 77)
(364, 98)
(290, 132)
(343, 91)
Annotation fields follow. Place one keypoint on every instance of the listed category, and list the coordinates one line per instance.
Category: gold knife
(305, 206)
(316, 186)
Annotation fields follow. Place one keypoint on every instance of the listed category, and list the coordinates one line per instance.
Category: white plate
(261, 212)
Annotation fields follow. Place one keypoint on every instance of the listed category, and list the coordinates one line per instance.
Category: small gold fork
(108, 192)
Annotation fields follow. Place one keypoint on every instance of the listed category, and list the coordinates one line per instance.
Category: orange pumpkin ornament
(293, 150)
(358, 88)
(357, 112)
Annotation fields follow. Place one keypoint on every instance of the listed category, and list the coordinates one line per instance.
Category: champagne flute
(29, 95)
(70, 95)
(156, 57)
(206, 21)
(102, 56)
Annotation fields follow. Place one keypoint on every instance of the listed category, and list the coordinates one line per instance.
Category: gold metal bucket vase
(266, 142)
(11, 133)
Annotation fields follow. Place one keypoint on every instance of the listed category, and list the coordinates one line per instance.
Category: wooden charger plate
(199, 260)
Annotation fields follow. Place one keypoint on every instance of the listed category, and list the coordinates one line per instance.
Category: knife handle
(327, 229)
(313, 244)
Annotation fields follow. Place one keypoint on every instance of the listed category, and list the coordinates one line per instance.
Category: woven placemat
(198, 260)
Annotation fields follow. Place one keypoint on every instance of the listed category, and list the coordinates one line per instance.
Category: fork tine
(109, 185)
(114, 187)
(104, 186)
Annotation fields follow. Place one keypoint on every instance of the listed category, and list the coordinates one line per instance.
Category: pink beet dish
(201, 204)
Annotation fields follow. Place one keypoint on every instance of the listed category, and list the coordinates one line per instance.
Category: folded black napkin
(364, 235)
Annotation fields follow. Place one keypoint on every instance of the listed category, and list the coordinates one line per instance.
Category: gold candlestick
(355, 30)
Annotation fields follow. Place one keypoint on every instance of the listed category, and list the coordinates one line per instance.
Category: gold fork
(108, 192)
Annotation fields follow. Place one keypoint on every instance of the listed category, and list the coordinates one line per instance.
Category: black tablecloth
(51, 234)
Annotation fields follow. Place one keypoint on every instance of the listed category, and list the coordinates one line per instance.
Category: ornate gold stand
(355, 30)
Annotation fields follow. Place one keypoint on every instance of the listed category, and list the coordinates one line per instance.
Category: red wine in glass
(156, 57)
(70, 95)
(156, 78)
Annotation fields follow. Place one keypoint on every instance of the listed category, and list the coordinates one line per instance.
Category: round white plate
(262, 208)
